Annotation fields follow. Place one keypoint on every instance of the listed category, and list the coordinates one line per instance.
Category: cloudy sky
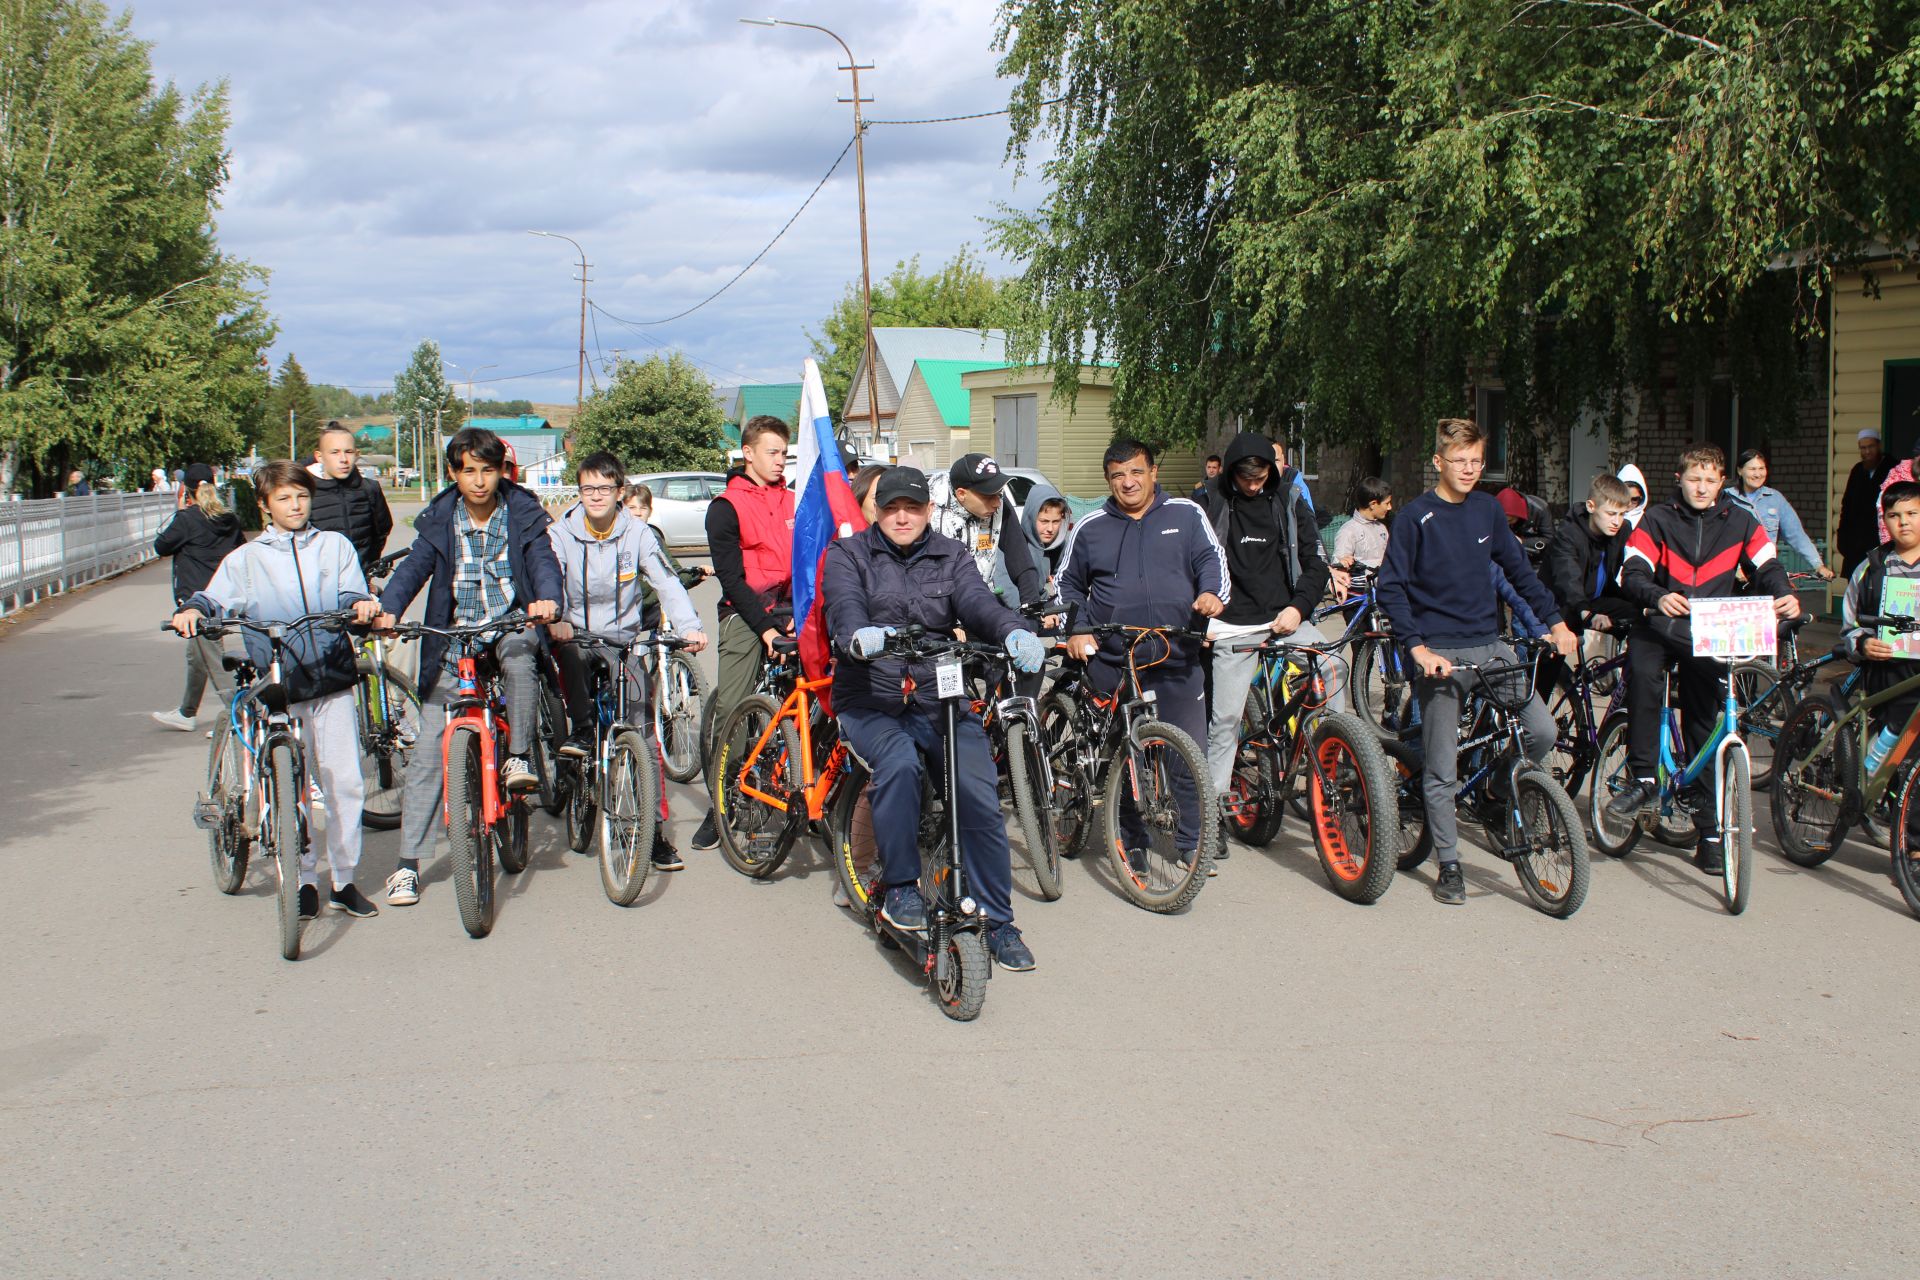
(389, 159)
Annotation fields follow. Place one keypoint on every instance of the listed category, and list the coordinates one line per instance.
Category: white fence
(50, 545)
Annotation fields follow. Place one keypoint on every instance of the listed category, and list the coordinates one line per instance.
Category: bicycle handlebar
(914, 641)
(335, 619)
(385, 564)
(639, 640)
(497, 626)
(1890, 621)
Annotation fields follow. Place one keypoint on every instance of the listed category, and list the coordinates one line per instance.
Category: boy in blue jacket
(481, 550)
(1437, 589)
(290, 570)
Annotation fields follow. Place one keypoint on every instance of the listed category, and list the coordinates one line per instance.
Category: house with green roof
(374, 436)
(932, 409)
(778, 399)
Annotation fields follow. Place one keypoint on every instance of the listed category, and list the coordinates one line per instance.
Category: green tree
(292, 394)
(1255, 206)
(960, 295)
(127, 339)
(423, 398)
(657, 414)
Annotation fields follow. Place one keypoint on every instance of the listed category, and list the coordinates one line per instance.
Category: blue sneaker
(904, 908)
(1009, 948)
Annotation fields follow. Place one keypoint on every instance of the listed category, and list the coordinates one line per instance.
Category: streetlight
(580, 386)
(472, 372)
(860, 182)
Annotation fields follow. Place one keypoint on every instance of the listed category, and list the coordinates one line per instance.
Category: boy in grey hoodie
(290, 570)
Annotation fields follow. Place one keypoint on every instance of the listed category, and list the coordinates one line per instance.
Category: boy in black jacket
(1583, 561)
(346, 502)
(1437, 589)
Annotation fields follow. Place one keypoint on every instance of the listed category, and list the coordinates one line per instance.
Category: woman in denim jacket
(1775, 514)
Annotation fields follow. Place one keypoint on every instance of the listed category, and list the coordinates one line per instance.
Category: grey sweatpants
(1440, 740)
(420, 810)
(1232, 677)
(203, 664)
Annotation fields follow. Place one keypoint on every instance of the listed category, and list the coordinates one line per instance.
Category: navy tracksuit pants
(891, 746)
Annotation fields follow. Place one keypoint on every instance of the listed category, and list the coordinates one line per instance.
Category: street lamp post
(472, 372)
(580, 385)
(860, 183)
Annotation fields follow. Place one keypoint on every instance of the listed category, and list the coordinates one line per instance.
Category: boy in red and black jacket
(1693, 546)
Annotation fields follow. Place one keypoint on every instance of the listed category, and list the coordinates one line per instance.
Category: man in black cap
(896, 572)
(968, 507)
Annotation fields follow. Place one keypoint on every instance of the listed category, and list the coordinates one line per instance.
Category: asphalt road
(731, 1079)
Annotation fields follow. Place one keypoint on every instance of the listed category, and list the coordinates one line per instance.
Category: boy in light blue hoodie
(290, 570)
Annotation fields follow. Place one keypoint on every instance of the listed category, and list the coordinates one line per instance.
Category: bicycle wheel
(1382, 694)
(511, 846)
(581, 809)
(629, 817)
(1809, 792)
(751, 829)
(1614, 837)
(1356, 808)
(469, 841)
(1254, 807)
(1554, 870)
(856, 867)
(709, 742)
(684, 697)
(1025, 775)
(289, 836)
(1070, 809)
(1736, 845)
(964, 989)
(1571, 756)
(386, 744)
(1906, 841)
(1763, 703)
(223, 811)
(549, 727)
(1408, 770)
(1158, 774)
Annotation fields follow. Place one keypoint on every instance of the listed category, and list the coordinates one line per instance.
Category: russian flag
(823, 510)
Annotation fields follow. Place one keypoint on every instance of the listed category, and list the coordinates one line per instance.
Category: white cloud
(388, 160)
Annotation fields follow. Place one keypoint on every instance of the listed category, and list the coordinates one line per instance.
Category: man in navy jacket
(1147, 560)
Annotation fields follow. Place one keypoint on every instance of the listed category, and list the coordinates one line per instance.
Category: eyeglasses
(1463, 464)
(598, 490)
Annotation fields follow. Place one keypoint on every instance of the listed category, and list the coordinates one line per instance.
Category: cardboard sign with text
(1728, 627)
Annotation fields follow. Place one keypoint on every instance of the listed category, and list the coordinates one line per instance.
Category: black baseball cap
(978, 472)
(900, 482)
(198, 474)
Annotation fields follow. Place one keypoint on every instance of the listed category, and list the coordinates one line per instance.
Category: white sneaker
(517, 774)
(403, 888)
(174, 720)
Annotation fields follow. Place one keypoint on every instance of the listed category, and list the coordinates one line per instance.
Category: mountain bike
(387, 714)
(1528, 818)
(1382, 683)
(257, 772)
(952, 952)
(486, 824)
(679, 705)
(1108, 749)
(1012, 722)
(1822, 787)
(1288, 737)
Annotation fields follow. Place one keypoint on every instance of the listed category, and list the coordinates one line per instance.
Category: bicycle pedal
(206, 815)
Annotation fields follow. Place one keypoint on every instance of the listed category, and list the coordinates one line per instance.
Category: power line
(658, 345)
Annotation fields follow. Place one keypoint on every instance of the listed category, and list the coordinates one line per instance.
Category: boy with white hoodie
(604, 553)
(290, 570)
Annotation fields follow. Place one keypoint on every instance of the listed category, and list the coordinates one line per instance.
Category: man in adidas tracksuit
(1690, 547)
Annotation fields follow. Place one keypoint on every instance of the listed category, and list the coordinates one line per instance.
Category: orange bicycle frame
(486, 723)
(814, 789)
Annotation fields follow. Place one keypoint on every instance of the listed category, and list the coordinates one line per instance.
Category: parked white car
(680, 501)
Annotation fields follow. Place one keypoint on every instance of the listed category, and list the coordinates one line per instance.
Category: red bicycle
(485, 823)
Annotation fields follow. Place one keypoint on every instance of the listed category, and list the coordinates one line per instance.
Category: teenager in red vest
(750, 536)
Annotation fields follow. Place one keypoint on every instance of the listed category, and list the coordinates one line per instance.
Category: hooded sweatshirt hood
(1630, 474)
(1046, 555)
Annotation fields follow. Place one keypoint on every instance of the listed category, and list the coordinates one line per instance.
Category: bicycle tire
(1024, 774)
(1736, 843)
(1071, 811)
(1166, 883)
(469, 842)
(1408, 767)
(752, 831)
(709, 741)
(549, 726)
(964, 990)
(582, 812)
(629, 817)
(1571, 756)
(1760, 725)
(1556, 870)
(1254, 806)
(860, 884)
(1359, 847)
(512, 847)
(383, 759)
(1381, 697)
(1905, 846)
(289, 839)
(680, 728)
(1808, 794)
(1610, 777)
(227, 844)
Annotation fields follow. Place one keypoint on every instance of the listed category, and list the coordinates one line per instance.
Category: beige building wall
(1072, 438)
(919, 432)
(1868, 332)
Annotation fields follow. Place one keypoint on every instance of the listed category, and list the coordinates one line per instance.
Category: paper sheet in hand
(1733, 627)
(1901, 596)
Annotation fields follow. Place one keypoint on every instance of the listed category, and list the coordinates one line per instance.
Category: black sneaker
(665, 856)
(309, 901)
(1711, 856)
(1451, 887)
(353, 902)
(578, 746)
(904, 908)
(1009, 948)
(1137, 861)
(1628, 804)
(708, 836)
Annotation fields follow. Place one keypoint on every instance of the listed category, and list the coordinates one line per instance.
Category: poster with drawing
(1901, 596)
(1733, 627)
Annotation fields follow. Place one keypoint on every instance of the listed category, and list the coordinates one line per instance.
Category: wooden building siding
(920, 433)
(1071, 438)
(1868, 332)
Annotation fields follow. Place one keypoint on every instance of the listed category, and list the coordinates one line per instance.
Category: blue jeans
(890, 746)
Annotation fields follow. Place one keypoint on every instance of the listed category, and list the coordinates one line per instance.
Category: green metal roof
(374, 431)
(943, 383)
(780, 399)
(521, 422)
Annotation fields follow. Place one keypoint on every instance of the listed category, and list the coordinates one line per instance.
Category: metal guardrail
(51, 545)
